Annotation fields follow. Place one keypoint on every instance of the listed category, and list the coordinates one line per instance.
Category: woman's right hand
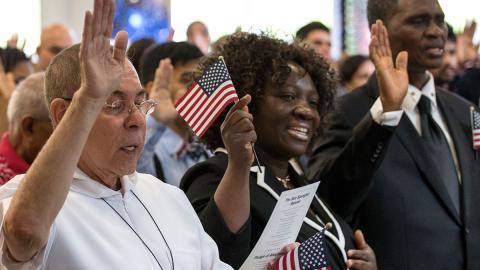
(233, 193)
(238, 133)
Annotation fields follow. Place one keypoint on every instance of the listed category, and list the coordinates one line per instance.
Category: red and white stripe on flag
(475, 129)
(207, 97)
(288, 261)
(476, 139)
(291, 260)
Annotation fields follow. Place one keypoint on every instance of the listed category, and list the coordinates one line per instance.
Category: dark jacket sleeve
(346, 155)
(200, 183)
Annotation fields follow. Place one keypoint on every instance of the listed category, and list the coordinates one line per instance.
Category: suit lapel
(462, 140)
(410, 139)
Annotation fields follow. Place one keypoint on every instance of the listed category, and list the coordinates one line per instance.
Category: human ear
(26, 125)
(58, 107)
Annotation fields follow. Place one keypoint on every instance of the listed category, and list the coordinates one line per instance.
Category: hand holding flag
(238, 133)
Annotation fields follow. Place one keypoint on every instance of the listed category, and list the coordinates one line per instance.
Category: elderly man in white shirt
(81, 205)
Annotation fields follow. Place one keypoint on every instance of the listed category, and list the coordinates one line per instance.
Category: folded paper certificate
(282, 227)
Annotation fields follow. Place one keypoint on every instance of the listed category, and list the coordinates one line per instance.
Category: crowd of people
(99, 171)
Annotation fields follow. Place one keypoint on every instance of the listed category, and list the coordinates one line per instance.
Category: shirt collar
(87, 186)
(414, 94)
(174, 145)
(15, 162)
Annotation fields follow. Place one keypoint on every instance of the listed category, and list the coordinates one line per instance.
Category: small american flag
(206, 98)
(476, 129)
(310, 255)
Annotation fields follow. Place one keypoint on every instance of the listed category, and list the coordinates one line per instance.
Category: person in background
(136, 50)
(197, 33)
(16, 62)
(317, 36)
(469, 61)
(14, 67)
(29, 127)
(446, 75)
(467, 50)
(354, 72)
(53, 39)
(170, 147)
(469, 84)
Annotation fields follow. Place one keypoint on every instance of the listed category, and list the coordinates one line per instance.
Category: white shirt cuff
(385, 118)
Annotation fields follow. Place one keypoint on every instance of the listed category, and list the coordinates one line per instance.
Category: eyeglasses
(55, 50)
(118, 107)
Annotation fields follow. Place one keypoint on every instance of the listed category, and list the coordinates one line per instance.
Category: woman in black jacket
(285, 91)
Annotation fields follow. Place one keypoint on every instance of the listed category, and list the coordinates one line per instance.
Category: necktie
(439, 150)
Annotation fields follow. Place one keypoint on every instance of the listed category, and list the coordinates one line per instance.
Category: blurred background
(155, 18)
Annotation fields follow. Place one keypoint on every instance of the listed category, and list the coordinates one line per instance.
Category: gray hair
(62, 77)
(27, 100)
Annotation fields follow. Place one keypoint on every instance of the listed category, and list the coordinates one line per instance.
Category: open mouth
(300, 133)
(434, 51)
(129, 148)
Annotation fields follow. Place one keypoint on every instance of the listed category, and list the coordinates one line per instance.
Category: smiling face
(418, 27)
(287, 115)
(115, 141)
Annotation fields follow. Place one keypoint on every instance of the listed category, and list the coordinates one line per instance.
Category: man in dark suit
(410, 187)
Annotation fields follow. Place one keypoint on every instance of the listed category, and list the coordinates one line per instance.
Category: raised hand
(164, 111)
(362, 258)
(238, 133)
(392, 79)
(101, 67)
(13, 42)
(467, 51)
(7, 83)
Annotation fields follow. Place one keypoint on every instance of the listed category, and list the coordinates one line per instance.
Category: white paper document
(282, 227)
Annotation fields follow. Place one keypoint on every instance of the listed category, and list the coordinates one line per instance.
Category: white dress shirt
(409, 106)
(88, 234)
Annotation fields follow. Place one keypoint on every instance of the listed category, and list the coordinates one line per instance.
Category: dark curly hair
(254, 60)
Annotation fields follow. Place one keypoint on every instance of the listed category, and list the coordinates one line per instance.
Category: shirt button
(467, 231)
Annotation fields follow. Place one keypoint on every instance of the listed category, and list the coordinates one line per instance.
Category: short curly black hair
(381, 10)
(254, 60)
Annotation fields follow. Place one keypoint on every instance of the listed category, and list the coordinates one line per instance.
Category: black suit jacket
(200, 183)
(400, 202)
(469, 85)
